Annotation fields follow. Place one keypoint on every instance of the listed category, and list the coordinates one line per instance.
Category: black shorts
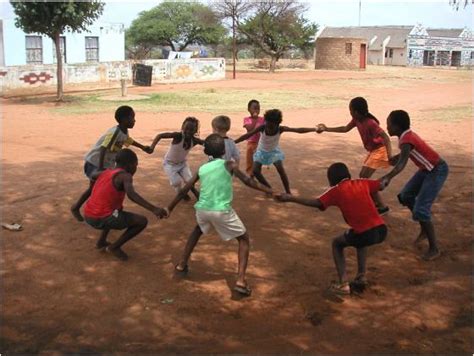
(119, 220)
(373, 236)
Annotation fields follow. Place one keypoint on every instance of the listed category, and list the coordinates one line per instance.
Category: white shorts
(227, 223)
(177, 173)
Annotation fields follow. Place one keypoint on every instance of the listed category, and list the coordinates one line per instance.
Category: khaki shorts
(227, 223)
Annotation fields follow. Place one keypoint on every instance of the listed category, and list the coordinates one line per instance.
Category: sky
(435, 14)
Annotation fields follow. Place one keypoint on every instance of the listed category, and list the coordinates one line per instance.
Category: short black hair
(214, 145)
(125, 157)
(252, 102)
(123, 112)
(273, 115)
(401, 119)
(337, 172)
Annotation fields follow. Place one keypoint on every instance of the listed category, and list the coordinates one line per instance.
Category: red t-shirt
(105, 198)
(353, 198)
(369, 131)
(421, 154)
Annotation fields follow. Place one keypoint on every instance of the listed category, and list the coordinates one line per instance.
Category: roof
(398, 34)
(444, 32)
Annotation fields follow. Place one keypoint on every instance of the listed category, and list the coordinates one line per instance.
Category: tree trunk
(273, 64)
(59, 67)
(234, 50)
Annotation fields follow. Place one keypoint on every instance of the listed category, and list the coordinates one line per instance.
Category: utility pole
(360, 8)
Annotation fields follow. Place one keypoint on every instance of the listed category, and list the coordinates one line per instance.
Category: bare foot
(77, 214)
(422, 236)
(431, 255)
(117, 252)
(101, 245)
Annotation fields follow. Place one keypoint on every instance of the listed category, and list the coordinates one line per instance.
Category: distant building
(341, 53)
(409, 45)
(103, 42)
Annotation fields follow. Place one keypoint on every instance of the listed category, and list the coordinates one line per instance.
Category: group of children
(110, 169)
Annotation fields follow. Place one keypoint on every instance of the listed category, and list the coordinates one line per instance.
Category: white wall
(375, 57)
(399, 57)
(111, 44)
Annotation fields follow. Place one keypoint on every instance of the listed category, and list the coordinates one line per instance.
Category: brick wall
(331, 53)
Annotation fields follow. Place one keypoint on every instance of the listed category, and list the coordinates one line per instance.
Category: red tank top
(105, 198)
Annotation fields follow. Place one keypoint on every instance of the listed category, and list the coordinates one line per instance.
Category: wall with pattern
(23, 80)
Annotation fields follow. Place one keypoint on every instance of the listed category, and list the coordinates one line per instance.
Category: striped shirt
(421, 154)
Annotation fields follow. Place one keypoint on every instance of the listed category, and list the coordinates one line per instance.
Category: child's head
(125, 116)
(214, 145)
(254, 108)
(337, 172)
(128, 160)
(273, 118)
(221, 124)
(190, 126)
(398, 122)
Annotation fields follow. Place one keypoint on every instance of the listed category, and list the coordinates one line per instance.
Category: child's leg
(186, 175)
(338, 246)
(251, 147)
(188, 249)
(76, 207)
(367, 172)
(102, 241)
(135, 224)
(361, 262)
(427, 230)
(244, 248)
(257, 172)
(284, 178)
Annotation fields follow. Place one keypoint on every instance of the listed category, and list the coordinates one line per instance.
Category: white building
(103, 42)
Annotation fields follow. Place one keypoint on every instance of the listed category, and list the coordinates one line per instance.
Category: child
(268, 149)
(251, 123)
(102, 155)
(214, 207)
(220, 126)
(174, 163)
(375, 140)
(353, 198)
(103, 210)
(423, 188)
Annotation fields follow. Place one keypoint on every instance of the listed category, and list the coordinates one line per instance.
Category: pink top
(249, 121)
(422, 155)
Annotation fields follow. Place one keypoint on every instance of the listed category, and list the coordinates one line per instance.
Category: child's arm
(198, 141)
(387, 143)
(182, 193)
(314, 203)
(147, 149)
(405, 150)
(163, 135)
(250, 134)
(341, 129)
(126, 180)
(300, 130)
(232, 167)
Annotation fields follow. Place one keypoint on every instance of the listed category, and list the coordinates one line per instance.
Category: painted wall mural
(33, 78)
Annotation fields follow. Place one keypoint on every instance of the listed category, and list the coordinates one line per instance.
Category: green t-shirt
(216, 187)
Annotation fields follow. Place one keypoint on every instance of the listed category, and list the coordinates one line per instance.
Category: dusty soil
(59, 295)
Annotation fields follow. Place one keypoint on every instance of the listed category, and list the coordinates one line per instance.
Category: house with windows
(103, 42)
(407, 45)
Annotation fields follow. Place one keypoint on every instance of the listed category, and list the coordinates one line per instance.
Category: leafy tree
(174, 24)
(54, 18)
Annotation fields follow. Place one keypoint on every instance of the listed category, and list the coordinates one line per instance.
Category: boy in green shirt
(214, 207)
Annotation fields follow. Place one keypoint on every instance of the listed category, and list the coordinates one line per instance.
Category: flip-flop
(181, 272)
(12, 227)
(340, 288)
(243, 290)
(427, 257)
(102, 248)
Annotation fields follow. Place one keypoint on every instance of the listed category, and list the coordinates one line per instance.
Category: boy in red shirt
(354, 197)
(104, 209)
(422, 189)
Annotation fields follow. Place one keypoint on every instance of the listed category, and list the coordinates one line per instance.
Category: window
(92, 49)
(410, 54)
(348, 48)
(62, 46)
(34, 49)
(389, 53)
(472, 54)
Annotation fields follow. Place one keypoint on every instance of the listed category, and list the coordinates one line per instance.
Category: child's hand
(320, 128)
(282, 197)
(148, 149)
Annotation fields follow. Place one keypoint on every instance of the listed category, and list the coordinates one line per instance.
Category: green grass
(208, 100)
(450, 113)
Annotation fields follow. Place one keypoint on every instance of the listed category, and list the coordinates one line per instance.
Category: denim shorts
(370, 237)
(422, 189)
(119, 220)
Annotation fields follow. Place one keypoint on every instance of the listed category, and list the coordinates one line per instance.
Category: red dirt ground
(59, 295)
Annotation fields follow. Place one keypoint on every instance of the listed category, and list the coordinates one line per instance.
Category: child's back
(216, 186)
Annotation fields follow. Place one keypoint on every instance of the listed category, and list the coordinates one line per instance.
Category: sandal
(360, 279)
(102, 247)
(243, 290)
(431, 256)
(340, 288)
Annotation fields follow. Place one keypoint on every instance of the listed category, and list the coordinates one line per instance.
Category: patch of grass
(209, 100)
(449, 113)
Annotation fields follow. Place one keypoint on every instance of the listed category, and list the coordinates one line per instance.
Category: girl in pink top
(374, 138)
(250, 123)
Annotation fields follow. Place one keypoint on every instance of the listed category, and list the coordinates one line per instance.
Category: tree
(174, 24)
(276, 26)
(457, 3)
(54, 18)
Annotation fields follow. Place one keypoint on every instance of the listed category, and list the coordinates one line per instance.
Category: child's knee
(244, 238)
(141, 221)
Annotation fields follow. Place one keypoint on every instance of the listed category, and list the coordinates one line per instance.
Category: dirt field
(59, 295)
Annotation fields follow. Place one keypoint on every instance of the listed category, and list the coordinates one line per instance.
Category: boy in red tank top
(104, 209)
(354, 197)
